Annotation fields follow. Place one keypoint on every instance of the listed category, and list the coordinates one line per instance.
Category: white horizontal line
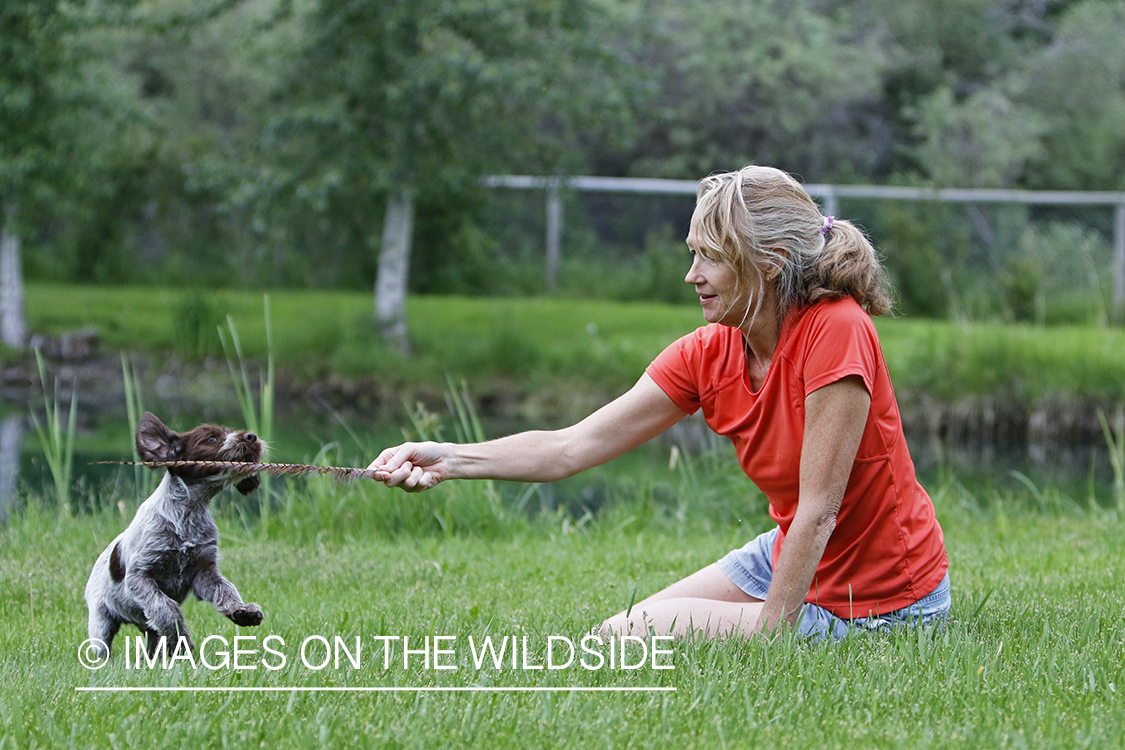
(418, 689)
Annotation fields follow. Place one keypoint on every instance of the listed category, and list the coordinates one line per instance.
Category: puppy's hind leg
(210, 586)
(103, 626)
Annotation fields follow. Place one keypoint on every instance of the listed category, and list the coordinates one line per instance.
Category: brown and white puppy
(171, 548)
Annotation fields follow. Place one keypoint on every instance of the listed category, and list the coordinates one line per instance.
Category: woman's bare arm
(835, 417)
(637, 416)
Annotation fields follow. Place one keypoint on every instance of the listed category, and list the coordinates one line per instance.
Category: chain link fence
(1035, 256)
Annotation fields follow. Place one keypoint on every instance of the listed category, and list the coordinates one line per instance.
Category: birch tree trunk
(13, 325)
(11, 438)
(394, 268)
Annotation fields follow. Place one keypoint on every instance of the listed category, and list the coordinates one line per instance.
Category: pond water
(303, 433)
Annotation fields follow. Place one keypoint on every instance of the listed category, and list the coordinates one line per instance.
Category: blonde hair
(764, 226)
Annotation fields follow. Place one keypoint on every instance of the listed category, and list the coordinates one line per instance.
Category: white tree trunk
(394, 268)
(11, 438)
(13, 325)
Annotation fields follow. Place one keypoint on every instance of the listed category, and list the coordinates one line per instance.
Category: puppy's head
(207, 442)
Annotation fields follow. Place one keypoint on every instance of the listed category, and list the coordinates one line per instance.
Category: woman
(789, 368)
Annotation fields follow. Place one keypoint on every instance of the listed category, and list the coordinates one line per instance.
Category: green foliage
(913, 255)
(757, 82)
(426, 97)
(1023, 289)
(31, 52)
(235, 144)
(984, 140)
(1078, 84)
(196, 324)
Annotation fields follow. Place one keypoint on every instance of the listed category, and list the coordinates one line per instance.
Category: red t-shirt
(887, 550)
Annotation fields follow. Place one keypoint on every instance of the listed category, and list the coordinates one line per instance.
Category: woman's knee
(687, 616)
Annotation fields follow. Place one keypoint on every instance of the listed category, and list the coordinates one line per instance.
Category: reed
(1115, 440)
(485, 499)
(56, 440)
(144, 481)
(259, 416)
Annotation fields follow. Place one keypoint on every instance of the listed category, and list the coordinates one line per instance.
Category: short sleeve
(677, 370)
(841, 341)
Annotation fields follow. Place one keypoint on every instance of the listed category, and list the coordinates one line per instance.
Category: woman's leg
(706, 603)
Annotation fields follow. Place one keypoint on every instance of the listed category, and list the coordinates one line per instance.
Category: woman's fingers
(405, 466)
(390, 459)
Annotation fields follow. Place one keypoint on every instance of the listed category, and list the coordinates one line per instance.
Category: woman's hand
(413, 466)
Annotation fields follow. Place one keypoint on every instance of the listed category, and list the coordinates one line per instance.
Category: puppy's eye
(212, 439)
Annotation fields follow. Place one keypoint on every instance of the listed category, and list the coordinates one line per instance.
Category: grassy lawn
(537, 341)
(1030, 658)
(1032, 655)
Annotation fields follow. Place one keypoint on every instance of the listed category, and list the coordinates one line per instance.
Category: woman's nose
(692, 276)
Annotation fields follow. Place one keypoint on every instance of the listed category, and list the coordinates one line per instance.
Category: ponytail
(848, 267)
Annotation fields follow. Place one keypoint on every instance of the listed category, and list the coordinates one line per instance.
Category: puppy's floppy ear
(248, 485)
(155, 442)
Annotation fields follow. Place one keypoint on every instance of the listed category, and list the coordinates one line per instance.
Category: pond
(313, 432)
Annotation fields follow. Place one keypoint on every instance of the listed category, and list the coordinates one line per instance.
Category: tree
(399, 100)
(31, 52)
(982, 141)
(742, 81)
(1077, 84)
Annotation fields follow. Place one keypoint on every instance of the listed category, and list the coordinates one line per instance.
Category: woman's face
(715, 283)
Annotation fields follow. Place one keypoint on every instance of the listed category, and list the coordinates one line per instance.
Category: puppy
(171, 547)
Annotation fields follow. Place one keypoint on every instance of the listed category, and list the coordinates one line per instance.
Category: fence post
(1119, 265)
(554, 231)
(831, 202)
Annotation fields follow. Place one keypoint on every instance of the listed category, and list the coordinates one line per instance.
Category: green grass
(593, 346)
(1018, 362)
(1030, 658)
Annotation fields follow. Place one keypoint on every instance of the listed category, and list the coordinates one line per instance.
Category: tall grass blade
(1115, 440)
(1026, 482)
(236, 363)
(56, 441)
(468, 427)
(984, 601)
(143, 480)
(267, 386)
(258, 417)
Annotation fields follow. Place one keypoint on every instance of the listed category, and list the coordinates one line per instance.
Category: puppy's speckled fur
(171, 548)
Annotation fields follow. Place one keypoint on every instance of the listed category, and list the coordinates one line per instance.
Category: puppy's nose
(251, 437)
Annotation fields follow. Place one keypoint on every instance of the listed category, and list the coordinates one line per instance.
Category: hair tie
(828, 221)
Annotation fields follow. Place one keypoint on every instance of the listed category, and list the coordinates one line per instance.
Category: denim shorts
(751, 569)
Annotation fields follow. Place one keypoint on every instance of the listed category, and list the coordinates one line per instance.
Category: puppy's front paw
(247, 615)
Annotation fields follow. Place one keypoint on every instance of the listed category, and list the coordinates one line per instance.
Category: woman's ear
(775, 269)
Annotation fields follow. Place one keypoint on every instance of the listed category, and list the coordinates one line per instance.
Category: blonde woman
(789, 368)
